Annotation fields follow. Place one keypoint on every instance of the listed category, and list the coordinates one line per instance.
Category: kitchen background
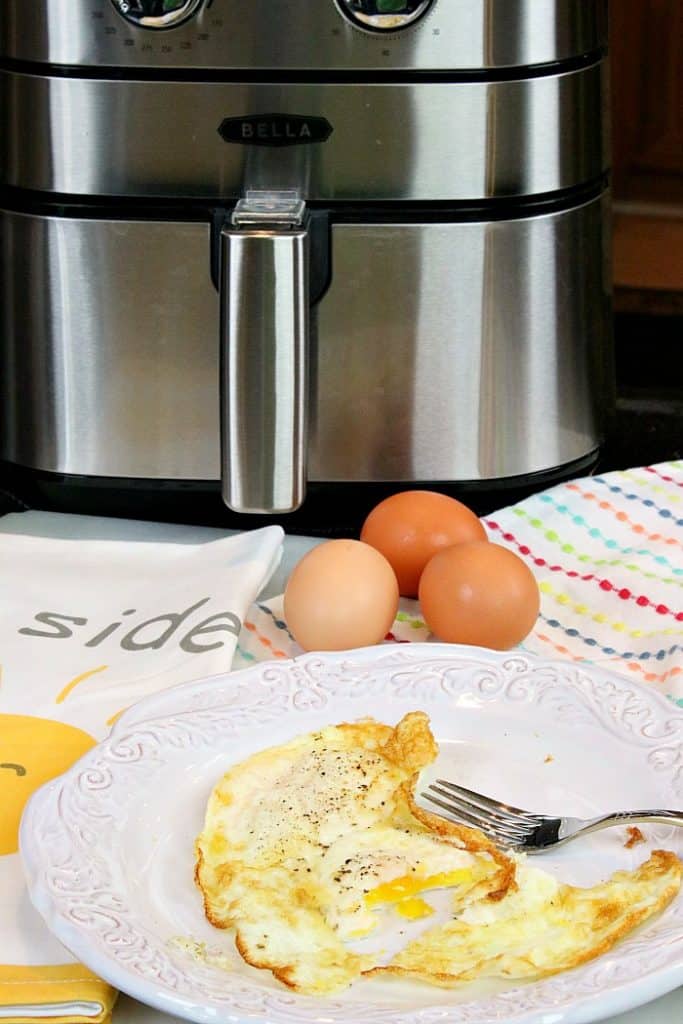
(647, 146)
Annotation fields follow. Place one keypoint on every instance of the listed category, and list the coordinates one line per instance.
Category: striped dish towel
(607, 552)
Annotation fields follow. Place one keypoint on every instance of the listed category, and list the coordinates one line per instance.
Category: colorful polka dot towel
(607, 552)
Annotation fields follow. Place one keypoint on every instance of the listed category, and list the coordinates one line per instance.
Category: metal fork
(513, 827)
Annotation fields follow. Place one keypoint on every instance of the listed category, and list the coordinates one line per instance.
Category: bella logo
(149, 635)
(275, 130)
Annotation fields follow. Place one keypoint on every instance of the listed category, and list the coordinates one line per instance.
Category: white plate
(108, 853)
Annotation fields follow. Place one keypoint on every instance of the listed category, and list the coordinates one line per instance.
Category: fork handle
(620, 817)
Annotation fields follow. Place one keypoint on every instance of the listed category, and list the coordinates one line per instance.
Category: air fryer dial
(157, 14)
(384, 15)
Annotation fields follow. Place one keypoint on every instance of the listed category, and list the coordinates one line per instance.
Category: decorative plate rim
(54, 828)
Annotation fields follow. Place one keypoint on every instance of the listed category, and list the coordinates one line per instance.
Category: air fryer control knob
(383, 15)
(157, 13)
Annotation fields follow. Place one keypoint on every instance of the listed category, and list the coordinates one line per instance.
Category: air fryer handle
(264, 290)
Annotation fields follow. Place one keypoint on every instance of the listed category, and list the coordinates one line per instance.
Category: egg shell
(481, 594)
(411, 526)
(342, 594)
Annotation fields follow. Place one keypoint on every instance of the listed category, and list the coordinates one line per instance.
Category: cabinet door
(646, 45)
(647, 99)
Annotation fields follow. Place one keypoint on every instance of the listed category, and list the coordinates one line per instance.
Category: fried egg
(305, 846)
(541, 927)
(308, 847)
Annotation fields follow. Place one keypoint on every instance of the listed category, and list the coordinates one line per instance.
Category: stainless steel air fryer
(268, 247)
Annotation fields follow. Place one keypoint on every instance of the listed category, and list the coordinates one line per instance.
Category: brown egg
(411, 526)
(481, 594)
(342, 594)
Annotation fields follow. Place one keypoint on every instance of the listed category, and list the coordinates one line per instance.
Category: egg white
(542, 927)
(310, 847)
(297, 838)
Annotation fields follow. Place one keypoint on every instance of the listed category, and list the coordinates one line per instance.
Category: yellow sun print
(32, 751)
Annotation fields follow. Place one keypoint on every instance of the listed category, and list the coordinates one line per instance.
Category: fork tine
(485, 801)
(484, 813)
(463, 815)
(507, 836)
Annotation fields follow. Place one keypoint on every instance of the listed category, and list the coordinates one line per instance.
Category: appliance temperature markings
(147, 46)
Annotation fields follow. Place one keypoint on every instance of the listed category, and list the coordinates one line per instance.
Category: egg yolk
(403, 892)
(413, 908)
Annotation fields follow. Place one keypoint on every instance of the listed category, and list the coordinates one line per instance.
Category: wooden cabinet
(646, 55)
(646, 49)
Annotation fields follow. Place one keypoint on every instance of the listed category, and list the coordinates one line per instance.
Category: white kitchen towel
(95, 614)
